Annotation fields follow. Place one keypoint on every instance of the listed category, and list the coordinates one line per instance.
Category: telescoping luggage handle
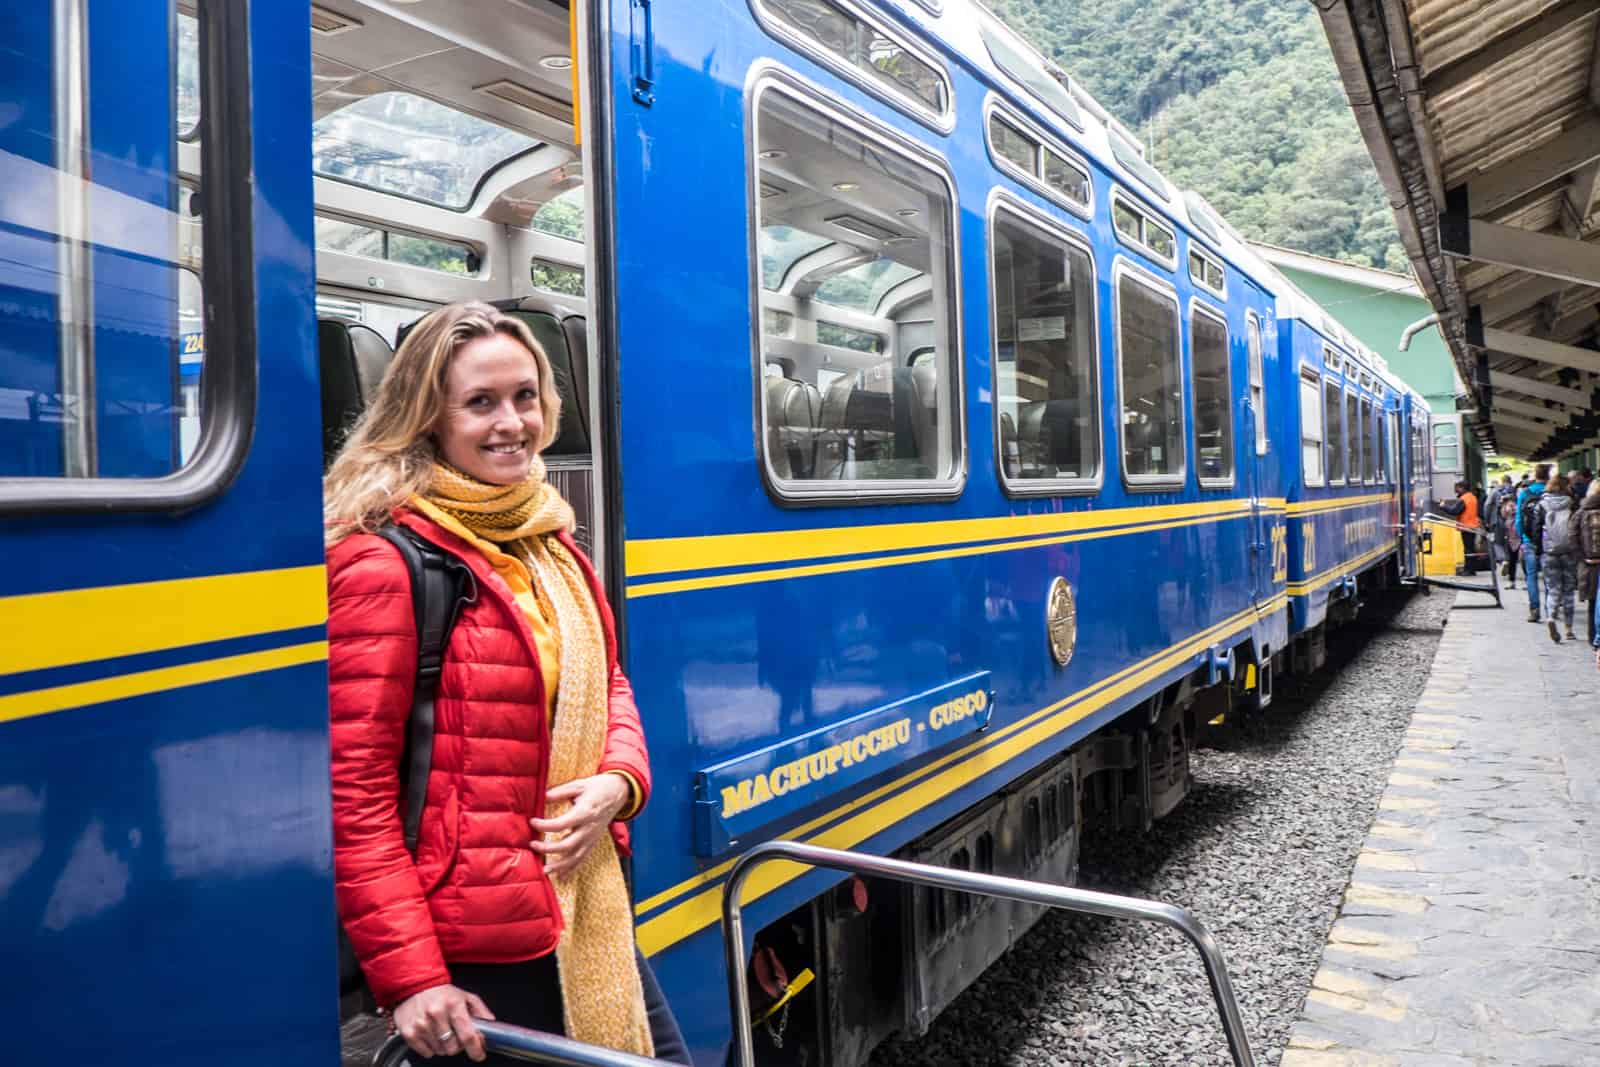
(1054, 896)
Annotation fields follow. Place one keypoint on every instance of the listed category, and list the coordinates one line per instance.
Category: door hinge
(641, 28)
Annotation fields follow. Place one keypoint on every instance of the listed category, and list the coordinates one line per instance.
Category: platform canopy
(1483, 117)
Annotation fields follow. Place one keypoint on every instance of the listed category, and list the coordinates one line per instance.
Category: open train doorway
(450, 149)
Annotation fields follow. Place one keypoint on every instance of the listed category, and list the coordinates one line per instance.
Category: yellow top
(514, 572)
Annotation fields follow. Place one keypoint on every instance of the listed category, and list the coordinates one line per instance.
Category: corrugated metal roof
(1446, 91)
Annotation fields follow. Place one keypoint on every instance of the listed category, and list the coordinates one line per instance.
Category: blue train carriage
(945, 531)
(165, 865)
(1343, 510)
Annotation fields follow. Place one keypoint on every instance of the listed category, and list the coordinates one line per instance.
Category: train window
(1012, 145)
(188, 75)
(1446, 448)
(1213, 405)
(861, 386)
(1132, 159)
(1037, 161)
(1207, 272)
(1047, 395)
(1333, 426)
(123, 384)
(1258, 383)
(1149, 364)
(561, 216)
(372, 242)
(1142, 231)
(860, 47)
(1044, 83)
(1371, 435)
(1311, 430)
(560, 278)
(1352, 435)
(1389, 444)
(410, 146)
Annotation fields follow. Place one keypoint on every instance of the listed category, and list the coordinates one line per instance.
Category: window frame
(1309, 375)
(1122, 267)
(901, 33)
(229, 386)
(770, 77)
(1205, 255)
(993, 108)
(1256, 377)
(1141, 208)
(1024, 213)
(1220, 316)
(1331, 382)
(1354, 451)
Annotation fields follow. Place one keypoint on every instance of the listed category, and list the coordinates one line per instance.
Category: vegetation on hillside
(1238, 99)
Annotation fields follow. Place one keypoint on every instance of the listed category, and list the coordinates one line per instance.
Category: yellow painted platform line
(1338, 989)
(1413, 781)
(1359, 894)
(1385, 861)
(1395, 802)
(1416, 763)
(1409, 835)
(1347, 937)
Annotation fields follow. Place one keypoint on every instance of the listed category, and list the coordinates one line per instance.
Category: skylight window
(410, 146)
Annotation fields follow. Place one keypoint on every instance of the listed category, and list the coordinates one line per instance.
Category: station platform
(1470, 931)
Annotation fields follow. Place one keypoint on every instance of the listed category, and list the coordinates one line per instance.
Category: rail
(529, 1046)
(1068, 899)
(1478, 537)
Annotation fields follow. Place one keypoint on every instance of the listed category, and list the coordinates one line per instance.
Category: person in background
(1464, 510)
(1558, 545)
(514, 905)
(1581, 480)
(1501, 506)
(1588, 523)
(1525, 539)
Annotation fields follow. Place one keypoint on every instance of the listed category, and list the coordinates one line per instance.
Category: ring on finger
(447, 1036)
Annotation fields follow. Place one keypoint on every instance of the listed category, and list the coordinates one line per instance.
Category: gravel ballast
(1261, 851)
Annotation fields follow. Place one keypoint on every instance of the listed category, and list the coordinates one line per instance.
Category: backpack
(1533, 521)
(1588, 520)
(441, 585)
(1558, 539)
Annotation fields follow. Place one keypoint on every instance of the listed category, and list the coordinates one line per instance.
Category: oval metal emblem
(1061, 620)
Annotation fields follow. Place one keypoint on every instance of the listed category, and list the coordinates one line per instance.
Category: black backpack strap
(441, 585)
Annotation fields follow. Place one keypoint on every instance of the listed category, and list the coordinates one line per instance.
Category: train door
(164, 805)
(1265, 533)
(1402, 445)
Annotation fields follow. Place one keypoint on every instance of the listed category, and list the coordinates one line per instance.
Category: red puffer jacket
(476, 892)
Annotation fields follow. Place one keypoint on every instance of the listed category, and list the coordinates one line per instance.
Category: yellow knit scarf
(603, 1001)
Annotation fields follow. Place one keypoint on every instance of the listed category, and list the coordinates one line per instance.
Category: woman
(514, 905)
(1559, 559)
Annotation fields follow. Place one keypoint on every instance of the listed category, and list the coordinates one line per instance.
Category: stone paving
(1470, 932)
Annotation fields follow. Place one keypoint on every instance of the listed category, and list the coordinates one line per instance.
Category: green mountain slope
(1238, 99)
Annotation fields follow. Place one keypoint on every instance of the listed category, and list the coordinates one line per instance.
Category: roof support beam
(1573, 261)
(1573, 149)
(1524, 408)
(1523, 424)
(1516, 383)
(1551, 20)
(1520, 344)
(1520, 297)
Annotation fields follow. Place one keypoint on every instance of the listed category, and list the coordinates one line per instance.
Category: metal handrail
(1493, 588)
(530, 1046)
(1053, 896)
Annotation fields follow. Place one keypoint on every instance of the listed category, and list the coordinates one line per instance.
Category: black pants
(529, 994)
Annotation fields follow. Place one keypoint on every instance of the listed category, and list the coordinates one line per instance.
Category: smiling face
(493, 424)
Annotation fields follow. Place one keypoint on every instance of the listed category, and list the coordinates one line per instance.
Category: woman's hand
(565, 841)
(438, 1022)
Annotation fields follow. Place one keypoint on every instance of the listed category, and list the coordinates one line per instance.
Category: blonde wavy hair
(390, 452)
